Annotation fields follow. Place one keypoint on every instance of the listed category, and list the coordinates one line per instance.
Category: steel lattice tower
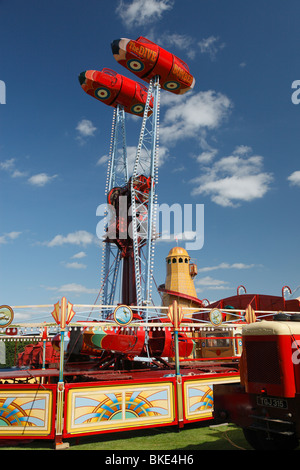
(129, 244)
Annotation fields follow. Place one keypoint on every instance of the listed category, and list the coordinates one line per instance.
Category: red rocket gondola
(129, 342)
(146, 60)
(114, 89)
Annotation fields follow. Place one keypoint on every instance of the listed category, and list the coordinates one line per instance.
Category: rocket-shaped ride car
(114, 89)
(146, 60)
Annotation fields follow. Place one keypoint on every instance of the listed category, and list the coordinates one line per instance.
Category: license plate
(272, 402)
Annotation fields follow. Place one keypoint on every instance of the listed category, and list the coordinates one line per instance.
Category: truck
(266, 402)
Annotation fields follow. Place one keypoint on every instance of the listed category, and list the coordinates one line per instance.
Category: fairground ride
(129, 239)
(134, 369)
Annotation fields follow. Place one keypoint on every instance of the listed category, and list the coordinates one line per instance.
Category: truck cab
(266, 403)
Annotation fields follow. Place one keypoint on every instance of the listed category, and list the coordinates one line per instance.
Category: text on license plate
(272, 402)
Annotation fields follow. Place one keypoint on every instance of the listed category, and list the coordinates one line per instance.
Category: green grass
(190, 438)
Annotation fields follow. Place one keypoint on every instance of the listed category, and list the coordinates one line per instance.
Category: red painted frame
(20, 387)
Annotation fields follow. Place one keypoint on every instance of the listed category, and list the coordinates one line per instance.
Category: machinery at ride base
(265, 404)
(128, 364)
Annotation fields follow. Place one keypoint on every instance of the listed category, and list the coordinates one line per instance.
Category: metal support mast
(130, 235)
(117, 176)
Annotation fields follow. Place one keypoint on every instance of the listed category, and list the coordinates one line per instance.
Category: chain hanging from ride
(117, 177)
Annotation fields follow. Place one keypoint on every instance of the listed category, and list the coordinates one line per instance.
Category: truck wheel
(252, 438)
(261, 440)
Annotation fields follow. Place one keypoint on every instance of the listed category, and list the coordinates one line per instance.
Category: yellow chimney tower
(179, 283)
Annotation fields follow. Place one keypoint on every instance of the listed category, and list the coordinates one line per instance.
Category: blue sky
(231, 144)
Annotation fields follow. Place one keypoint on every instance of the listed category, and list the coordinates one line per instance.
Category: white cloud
(139, 12)
(131, 156)
(163, 154)
(41, 179)
(208, 283)
(188, 44)
(234, 179)
(81, 237)
(75, 265)
(77, 288)
(7, 165)
(210, 46)
(207, 156)
(9, 236)
(144, 162)
(13, 235)
(73, 288)
(182, 42)
(178, 169)
(227, 266)
(85, 129)
(103, 160)
(242, 150)
(19, 174)
(166, 236)
(79, 255)
(294, 178)
(187, 116)
(10, 167)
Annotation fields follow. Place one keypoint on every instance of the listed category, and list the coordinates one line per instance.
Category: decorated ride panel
(27, 411)
(99, 408)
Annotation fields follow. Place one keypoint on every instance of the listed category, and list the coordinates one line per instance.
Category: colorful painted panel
(198, 398)
(25, 412)
(95, 409)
